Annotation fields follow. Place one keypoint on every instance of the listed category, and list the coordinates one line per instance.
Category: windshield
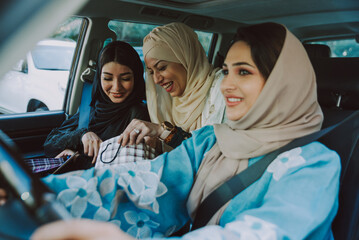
(53, 57)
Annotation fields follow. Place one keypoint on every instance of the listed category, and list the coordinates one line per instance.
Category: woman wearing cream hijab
(182, 87)
(269, 88)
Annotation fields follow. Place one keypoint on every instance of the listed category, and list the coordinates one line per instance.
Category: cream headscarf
(176, 42)
(287, 108)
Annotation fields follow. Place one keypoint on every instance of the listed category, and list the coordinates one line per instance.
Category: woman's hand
(137, 130)
(81, 229)
(91, 144)
(65, 153)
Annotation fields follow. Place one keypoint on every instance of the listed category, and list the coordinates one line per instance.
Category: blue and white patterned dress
(296, 198)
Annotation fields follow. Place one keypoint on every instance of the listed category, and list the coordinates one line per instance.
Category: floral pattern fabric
(147, 199)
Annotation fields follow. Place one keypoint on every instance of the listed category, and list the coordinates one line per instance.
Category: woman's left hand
(80, 229)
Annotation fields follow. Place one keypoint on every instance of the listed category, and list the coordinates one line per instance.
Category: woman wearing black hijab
(117, 98)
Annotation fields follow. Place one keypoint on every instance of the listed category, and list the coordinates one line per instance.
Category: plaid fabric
(43, 164)
(112, 153)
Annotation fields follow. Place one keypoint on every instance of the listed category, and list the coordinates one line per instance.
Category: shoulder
(140, 106)
(140, 111)
(318, 153)
(202, 141)
(311, 153)
(318, 149)
(311, 157)
(214, 108)
(217, 78)
(206, 130)
(204, 133)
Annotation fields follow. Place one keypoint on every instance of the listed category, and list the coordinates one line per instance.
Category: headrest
(317, 50)
(338, 82)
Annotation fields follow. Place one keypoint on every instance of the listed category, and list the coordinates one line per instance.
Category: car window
(38, 82)
(133, 33)
(341, 47)
(55, 58)
(205, 38)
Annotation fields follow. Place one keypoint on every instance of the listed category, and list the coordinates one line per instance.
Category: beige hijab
(176, 42)
(287, 108)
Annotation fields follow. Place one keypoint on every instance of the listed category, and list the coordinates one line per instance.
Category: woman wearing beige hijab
(270, 92)
(182, 87)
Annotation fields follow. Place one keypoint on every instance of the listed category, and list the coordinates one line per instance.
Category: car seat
(338, 95)
(317, 50)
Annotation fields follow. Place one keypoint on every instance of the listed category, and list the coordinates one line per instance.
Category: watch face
(167, 125)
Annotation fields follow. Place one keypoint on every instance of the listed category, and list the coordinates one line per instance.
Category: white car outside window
(39, 81)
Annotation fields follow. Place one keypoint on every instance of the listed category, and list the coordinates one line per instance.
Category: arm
(296, 198)
(65, 137)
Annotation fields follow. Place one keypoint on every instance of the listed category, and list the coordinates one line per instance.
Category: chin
(117, 100)
(174, 94)
(234, 116)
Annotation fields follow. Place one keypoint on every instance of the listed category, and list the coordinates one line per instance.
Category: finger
(60, 155)
(120, 139)
(96, 150)
(90, 151)
(125, 137)
(142, 135)
(86, 147)
(134, 135)
(64, 153)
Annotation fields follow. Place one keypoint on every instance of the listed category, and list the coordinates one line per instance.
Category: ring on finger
(136, 131)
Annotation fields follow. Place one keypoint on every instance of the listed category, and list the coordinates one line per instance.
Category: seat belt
(241, 181)
(87, 78)
(84, 109)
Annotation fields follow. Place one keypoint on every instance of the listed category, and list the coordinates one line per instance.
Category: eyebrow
(155, 64)
(122, 74)
(239, 64)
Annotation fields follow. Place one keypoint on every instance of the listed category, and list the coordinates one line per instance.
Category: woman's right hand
(137, 130)
(91, 144)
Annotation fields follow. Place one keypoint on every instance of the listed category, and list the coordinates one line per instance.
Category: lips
(168, 86)
(233, 100)
(117, 95)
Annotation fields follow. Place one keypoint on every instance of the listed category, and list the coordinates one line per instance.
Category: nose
(228, 83)
(117, 85)
(157, 77)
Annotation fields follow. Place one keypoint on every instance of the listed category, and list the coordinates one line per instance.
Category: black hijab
(110, 119)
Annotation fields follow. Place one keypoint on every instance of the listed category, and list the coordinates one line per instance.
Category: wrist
(160, 130)
(168, 131)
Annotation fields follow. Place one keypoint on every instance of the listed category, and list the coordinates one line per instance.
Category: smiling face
(170, 75)
(242, 82)
(117, 81)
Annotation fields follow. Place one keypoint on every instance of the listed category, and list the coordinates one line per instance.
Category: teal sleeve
(296, 198)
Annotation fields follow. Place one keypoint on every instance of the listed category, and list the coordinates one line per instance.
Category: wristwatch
(169, 131)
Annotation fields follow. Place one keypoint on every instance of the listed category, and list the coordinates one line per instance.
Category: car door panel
(29, 131)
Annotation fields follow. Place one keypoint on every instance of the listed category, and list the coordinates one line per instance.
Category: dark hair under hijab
(108, 117)
(124, 54)
(266, 41)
